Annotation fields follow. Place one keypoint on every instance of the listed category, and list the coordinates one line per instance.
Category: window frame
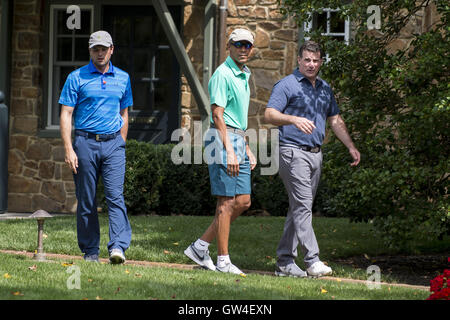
(308, 26)
(51, 62)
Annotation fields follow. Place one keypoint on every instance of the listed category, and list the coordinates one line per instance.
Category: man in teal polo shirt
(231, 159)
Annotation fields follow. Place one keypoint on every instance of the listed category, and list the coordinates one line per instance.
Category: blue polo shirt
(97, 98)
(295, 95)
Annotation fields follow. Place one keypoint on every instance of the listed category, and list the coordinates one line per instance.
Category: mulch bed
(409, 269)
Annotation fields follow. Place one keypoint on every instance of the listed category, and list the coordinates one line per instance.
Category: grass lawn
(253, 243)
(22, 278)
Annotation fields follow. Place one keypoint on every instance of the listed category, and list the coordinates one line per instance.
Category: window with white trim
(68, 50)
(331, 24)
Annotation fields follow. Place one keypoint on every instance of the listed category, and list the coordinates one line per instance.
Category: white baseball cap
(241, 35)
(100, 38)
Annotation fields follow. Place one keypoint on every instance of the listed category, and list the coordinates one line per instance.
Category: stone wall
(38, 176)
(421, 22)
(275, 52)
(193, 41)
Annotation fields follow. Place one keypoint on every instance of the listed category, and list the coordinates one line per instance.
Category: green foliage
(186, 190)
(144, 175)
(396, 106)
(268, 193)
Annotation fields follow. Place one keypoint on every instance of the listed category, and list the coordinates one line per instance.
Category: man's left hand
(355, 155)
(251, 157)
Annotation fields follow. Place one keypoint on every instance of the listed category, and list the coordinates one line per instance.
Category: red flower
(440, 286)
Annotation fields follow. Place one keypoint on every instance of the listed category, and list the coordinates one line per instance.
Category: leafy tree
(395, 102)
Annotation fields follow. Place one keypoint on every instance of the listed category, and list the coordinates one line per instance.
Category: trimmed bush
(154, 184)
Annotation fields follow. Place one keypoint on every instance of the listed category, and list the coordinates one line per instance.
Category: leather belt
(315, 149)
(97, 137)
(310, 149)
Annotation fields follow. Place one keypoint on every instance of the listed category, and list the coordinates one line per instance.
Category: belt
(232, 129)
(305, 148)
(95, 136)
(310, 149)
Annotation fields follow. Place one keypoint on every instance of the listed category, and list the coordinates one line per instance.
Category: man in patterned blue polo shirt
(301, 104)
(98, 96)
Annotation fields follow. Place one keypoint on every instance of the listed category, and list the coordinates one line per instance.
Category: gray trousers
(300, 171)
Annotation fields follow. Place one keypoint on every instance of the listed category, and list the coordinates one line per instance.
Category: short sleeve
(69, 93)
(218, 90)
(333, 108)
(127, 99)
(279, 97)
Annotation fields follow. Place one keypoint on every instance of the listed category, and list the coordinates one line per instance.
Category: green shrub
(268, 193)
(186, 190)
(153, 183)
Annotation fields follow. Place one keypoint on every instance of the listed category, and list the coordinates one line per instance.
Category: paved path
(195, 267)
(14, 215)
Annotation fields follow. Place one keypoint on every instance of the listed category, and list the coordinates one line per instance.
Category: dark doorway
(142, 49)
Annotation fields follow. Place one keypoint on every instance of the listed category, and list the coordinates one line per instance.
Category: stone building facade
(38, 175)
(274, 54)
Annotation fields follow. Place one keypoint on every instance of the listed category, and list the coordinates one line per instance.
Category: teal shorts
(223, 184)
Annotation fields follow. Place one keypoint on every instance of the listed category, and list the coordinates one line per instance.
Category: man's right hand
(275, 117)
(65, 124)
(303, 124)
(72, 160)
(232, 164)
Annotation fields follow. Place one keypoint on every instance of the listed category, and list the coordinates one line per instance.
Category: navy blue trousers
(105, 159)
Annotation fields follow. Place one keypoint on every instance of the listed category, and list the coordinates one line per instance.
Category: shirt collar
(299, 76)
(233, 66)
(93, 69)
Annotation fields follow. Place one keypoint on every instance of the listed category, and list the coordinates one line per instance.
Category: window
(68, 50)
(141, 49)
(331, 25)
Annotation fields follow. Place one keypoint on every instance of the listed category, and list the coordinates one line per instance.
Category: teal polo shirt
(229, 88)
(97, 98)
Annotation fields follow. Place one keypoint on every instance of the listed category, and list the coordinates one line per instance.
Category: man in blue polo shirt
(301, 104)
(98, 96)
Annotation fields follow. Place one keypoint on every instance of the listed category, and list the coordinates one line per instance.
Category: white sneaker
(200, 257)
(318, 269)
(291, 270)
(116, 256)
(230, 268)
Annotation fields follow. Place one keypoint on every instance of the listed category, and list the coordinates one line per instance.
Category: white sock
(223, 260)
(201, 245)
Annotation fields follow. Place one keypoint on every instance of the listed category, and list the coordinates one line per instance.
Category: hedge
(154, 184)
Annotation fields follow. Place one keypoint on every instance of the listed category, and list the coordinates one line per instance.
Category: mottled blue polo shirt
(97, 98)
(295, 95)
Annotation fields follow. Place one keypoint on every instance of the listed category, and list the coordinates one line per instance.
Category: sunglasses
(239, 44)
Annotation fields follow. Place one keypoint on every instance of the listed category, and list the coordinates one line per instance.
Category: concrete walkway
(13, 215)
(195, 267)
